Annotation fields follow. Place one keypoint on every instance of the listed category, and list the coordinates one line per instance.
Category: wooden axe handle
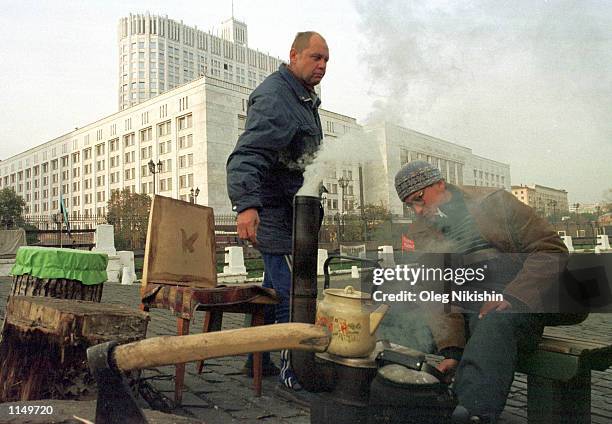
(167, 350)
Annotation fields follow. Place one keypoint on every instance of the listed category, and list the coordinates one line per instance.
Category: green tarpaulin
(47, 262)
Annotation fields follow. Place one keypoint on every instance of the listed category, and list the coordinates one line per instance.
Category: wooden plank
(574, 347)
(552, 365)
(560, 335)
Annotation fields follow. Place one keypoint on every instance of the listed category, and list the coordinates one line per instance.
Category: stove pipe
(307, 215)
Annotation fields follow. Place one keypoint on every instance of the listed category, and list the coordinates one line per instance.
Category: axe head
(115, 403)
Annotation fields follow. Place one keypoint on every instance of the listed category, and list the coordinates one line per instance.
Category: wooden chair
(179, 274)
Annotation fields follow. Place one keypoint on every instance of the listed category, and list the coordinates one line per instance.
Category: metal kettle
(352, 318)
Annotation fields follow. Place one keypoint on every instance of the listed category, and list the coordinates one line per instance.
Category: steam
(350, 149)
(522, 82)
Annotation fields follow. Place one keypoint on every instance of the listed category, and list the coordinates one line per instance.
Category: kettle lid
(400, 374)
(348, 292)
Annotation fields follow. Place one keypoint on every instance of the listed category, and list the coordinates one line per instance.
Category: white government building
(190, 130)
(157, 54)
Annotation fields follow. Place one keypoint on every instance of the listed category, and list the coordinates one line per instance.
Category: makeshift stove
(393, 384)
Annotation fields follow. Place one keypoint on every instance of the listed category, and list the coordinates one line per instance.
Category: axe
(107, 361)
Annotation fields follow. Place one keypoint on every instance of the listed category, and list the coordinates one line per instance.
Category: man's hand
(448, 367)
(247, 222)
(493, 306)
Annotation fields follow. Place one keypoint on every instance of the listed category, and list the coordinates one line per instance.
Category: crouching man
(487, 228)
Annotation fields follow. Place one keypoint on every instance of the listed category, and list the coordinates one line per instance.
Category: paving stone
(215, 416)
(222, 384)
(251, 412)
(225, 403)
(278, 407)
(191, 400)
(298, 419)
(162, 383)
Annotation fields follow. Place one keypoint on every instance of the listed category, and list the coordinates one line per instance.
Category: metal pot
(352, 318)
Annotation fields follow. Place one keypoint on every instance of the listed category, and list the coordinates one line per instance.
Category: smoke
(522, 82)
(351, 149)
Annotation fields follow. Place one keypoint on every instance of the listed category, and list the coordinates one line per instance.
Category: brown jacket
(513, 228)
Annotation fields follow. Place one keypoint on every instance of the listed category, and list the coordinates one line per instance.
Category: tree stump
(27, 285)
(44, 341)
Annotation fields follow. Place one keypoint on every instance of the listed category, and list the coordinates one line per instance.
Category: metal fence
(130, 231)
(50, 230)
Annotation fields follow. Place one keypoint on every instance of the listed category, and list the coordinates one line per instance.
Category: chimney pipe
(307, 215)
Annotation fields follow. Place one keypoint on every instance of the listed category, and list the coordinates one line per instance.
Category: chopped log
(44, 341)
(27, 285)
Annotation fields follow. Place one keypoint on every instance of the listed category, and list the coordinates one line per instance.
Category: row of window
(145, 135)
(452, 171)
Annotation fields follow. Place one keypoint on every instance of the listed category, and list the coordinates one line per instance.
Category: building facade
(398, 146)
(157, 54)
(190, 131)
(546, 201)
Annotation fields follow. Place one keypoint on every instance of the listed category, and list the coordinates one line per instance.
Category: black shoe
(300, 397)
(462, 416)
(268, 369)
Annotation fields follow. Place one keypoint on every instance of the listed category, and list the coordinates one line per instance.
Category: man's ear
(293, 55)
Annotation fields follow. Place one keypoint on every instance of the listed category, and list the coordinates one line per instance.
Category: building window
(146, 135)
(128, 140)
(113, 145)
(184, 122)
(163, 128)
(186, 141)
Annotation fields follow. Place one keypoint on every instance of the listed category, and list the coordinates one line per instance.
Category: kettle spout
(376, 317)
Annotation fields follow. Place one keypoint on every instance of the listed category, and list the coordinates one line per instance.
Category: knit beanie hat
(415, 176)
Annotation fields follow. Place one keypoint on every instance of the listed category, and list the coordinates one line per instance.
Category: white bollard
(127, 277)
(234, 271)
(105, 240)
(386, 254)
(354, 271)
(113, 269)
(234, 259)
(321, 258)
(126, 259)
(603, 243)
(568, 243)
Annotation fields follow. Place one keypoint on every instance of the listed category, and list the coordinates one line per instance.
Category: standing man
(486, 228)
(265, 170)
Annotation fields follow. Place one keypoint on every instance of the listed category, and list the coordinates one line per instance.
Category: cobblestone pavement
(221, 394)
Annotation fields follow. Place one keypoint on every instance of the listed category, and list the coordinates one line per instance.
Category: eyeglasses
(416, 200)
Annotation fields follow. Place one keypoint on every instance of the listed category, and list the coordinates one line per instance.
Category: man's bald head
(302, 39)
(308, 58)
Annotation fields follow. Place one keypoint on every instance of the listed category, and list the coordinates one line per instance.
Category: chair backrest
(180, 247)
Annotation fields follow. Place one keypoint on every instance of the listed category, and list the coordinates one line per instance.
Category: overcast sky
(526, 82)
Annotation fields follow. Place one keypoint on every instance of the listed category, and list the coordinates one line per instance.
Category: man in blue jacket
(265, 170)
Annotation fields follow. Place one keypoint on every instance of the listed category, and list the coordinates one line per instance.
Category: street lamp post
(576, 207)
(364, 226)
(344, 182)
(193, 195)
(553, 203)
(154, 171)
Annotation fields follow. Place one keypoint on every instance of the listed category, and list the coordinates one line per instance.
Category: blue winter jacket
(265, 170)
